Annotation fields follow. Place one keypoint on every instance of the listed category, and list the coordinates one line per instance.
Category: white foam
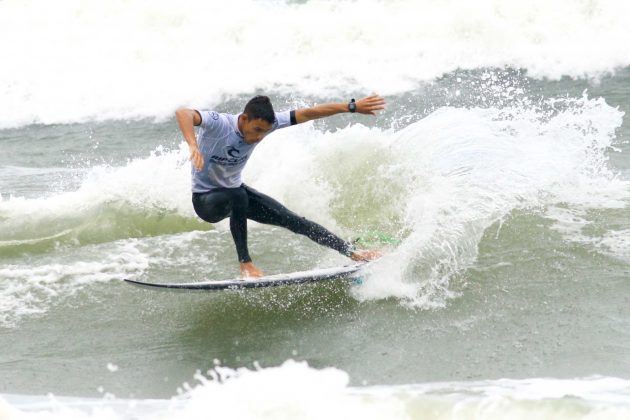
(572, 223)
(31, 288)
(296, 391)
(617, 243)
(310, 171)
(157, 183)
(112, 367)
(75, 60)
(465, 169)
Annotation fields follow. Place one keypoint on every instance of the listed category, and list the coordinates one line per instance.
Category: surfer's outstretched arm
(368, 106)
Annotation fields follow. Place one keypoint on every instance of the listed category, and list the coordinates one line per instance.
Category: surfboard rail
(275, 280)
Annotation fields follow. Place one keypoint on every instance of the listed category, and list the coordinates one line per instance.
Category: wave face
(75, 61)
(436, 185)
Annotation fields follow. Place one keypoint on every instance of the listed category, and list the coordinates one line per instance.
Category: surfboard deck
(299, 277)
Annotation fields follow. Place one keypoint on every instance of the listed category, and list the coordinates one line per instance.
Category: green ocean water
(499, 173)
(523, 286)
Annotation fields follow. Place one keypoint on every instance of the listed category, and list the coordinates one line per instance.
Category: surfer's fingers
(374, 100)
(371, 110)
(370, 104)
(196, 159)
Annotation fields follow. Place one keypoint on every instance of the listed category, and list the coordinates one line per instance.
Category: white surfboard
(300, 277)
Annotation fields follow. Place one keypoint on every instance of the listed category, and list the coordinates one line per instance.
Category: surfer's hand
(366, 255)
(196, 159)
(369, 105)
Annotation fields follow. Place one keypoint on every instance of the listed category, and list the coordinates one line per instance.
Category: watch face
(352, 106)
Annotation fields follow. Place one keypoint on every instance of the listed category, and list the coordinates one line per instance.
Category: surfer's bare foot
(366, 255)
(248, 269)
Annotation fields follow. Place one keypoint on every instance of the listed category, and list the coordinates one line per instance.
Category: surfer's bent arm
(368, 105)
(187, 120)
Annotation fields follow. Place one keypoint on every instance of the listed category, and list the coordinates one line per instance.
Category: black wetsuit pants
(244, 203)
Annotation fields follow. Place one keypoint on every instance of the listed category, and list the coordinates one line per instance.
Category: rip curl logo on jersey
(233, 151)
(214, 115)
(233, 158)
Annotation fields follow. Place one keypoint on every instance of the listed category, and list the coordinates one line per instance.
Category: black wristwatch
(352, 105)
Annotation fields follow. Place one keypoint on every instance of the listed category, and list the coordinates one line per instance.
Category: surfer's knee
(213, 215)
(211, 211)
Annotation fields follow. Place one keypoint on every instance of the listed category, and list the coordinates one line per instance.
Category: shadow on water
(241, 327)
(284, 307)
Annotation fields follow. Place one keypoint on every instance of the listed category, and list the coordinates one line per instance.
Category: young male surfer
(219, 152)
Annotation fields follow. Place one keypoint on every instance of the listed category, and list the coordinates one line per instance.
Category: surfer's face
(253, 131)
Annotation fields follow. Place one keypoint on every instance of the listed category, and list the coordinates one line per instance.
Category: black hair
(260, 107)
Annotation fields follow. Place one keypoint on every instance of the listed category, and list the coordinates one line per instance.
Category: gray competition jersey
(224, 150)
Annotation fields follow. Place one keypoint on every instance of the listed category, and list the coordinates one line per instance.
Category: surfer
(219, 152)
